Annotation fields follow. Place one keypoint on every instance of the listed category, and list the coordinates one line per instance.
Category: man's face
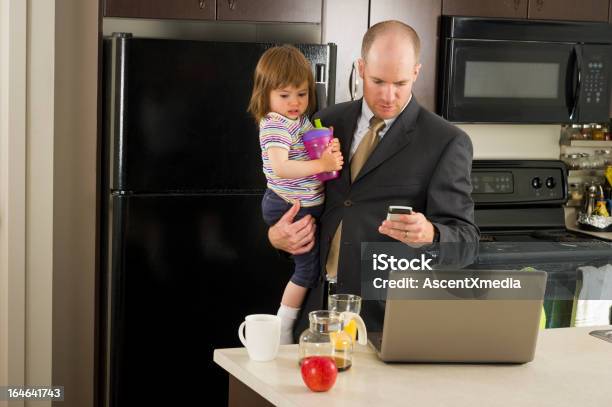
(388, 74)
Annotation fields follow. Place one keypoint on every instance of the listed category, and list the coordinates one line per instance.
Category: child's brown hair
(277, 68)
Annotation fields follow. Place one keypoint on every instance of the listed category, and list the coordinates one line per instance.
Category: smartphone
(394, 211)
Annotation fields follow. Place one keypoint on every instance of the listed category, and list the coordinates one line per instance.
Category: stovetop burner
(552, 235)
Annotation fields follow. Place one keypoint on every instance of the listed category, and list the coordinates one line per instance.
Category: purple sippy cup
(316, 141)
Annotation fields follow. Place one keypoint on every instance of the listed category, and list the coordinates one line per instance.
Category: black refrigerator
(184, 251)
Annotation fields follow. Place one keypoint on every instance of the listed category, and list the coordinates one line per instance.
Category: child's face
(290, 101)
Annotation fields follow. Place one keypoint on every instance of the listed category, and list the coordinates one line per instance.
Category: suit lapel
(347, 125)
(397, 137)
(346, 132)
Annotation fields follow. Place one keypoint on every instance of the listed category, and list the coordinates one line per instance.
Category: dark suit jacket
(422, 161)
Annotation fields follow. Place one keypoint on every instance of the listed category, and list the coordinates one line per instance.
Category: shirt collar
(367, 113)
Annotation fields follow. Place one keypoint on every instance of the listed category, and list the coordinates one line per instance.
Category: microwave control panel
(595, 82)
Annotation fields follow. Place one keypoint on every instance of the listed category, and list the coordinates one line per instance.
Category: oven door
(509, 81)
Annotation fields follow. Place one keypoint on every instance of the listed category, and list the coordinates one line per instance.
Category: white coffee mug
(262, 336)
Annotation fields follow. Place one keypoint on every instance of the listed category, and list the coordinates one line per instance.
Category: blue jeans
(307, 266)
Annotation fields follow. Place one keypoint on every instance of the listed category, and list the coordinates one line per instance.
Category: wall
(74, 197)
(39, 192)
(48, 137)
(347, 35)
(12, 192)
(519, 141)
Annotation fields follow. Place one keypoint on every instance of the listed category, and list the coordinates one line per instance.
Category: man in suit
(398, 154)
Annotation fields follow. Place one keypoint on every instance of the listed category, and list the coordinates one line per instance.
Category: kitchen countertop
(570, 224)
(571, 368)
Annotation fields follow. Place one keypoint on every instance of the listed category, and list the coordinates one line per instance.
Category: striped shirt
(276, 130)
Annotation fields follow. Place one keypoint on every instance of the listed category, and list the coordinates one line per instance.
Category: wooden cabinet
(578, 10)
(571, 10)
(610, 13)
(424, 17)
(179, 9)
(286, 11)
(486, 8)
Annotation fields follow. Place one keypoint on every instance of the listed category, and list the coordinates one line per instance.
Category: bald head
(393, 34)
(389, 67)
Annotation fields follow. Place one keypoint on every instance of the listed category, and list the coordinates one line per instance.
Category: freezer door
(177, 113)
(185, 271)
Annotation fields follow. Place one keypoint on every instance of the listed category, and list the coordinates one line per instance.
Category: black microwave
(524, 71)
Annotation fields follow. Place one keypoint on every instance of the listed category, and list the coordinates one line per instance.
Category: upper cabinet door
(485, 8)
(179, 9)
(579, 10)
(423, 16)
(285, 11)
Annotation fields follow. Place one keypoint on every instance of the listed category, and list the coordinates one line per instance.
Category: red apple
(319, 372)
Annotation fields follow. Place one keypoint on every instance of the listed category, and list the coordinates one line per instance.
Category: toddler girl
(283, 95)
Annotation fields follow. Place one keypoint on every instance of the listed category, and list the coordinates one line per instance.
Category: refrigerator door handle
(116, 98)
(321, 93)
(321, 86)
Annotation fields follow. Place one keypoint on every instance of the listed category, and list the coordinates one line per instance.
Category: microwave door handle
(577, 89)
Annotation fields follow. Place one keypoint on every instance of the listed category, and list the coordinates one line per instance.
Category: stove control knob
(536, 183)
(550, 183)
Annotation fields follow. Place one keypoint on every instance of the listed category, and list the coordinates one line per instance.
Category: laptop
(461, 325)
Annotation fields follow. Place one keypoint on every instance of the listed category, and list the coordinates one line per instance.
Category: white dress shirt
(363, 123)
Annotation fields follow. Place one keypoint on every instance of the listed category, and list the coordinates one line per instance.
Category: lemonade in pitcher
(346, 303)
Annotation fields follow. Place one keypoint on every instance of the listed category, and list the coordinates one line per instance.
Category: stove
(519, 210)
(522, 201)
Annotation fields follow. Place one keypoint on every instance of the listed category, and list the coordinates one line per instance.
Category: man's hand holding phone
(407, 226)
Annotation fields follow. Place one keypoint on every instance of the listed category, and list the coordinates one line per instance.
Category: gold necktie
(365, 148)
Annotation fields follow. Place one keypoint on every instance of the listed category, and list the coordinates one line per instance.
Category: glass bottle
(326, 337)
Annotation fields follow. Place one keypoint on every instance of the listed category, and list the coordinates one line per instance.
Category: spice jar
(576, 191)
(597, 160)
(597, 133)
(586, 132)
(603, 158)
(585, 161)
(572, 161)
(607, 134)
(607, 157)
(573, 132)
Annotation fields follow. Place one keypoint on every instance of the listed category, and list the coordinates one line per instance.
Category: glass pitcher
(326, 337)
(346, 303)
